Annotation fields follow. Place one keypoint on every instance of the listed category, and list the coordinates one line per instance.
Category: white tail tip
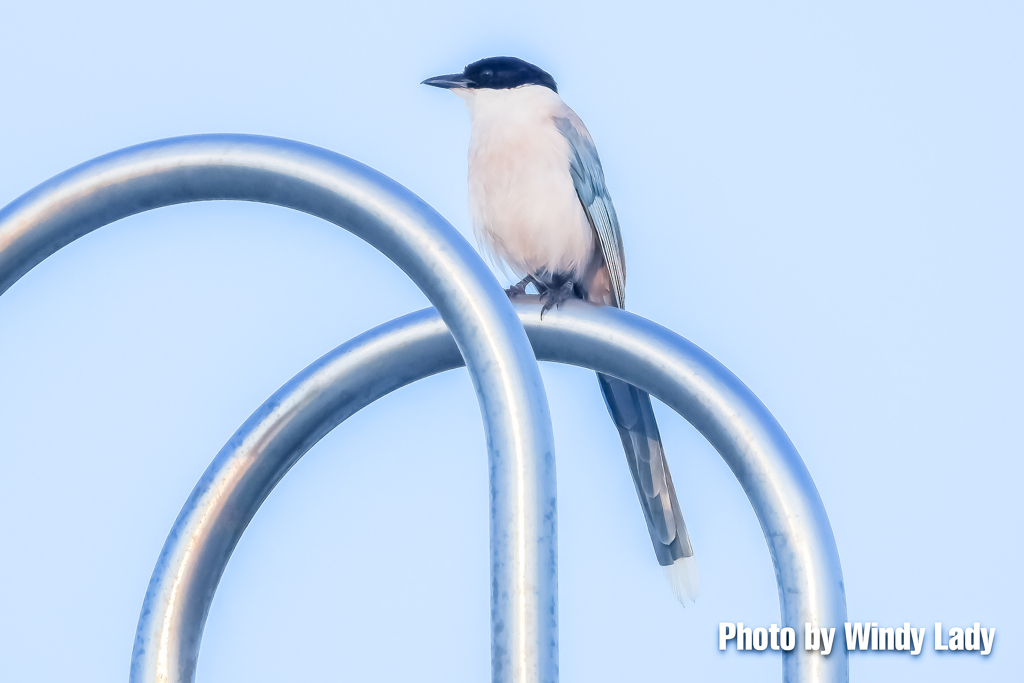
(683, 577)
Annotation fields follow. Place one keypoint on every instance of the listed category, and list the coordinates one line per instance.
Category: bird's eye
(486, 73)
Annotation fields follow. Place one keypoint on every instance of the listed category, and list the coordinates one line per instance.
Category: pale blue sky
(826, 198)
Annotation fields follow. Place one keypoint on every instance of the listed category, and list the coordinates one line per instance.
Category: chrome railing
(473, 324)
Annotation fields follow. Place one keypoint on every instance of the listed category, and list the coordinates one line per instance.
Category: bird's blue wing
(630, 407)
(588, 177)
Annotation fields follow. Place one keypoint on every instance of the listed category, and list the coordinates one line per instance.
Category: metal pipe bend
(414, 346)
(524, 600)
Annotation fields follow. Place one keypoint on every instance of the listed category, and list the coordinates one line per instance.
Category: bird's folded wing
(588, 177)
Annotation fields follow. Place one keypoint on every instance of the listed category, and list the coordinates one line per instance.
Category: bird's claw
(554, 298)
(519, 288)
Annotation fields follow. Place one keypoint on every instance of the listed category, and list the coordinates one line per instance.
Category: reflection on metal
(524, 609)
(604, 339)
(474, 321)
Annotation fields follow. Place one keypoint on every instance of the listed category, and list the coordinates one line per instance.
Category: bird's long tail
(633, 415)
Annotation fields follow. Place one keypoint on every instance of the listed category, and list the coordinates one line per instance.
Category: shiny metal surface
(604, 339)
(417, 239)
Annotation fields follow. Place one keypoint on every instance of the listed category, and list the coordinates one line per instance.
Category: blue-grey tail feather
(633, 414)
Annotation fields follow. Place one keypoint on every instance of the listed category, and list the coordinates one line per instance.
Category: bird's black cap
(496, 73)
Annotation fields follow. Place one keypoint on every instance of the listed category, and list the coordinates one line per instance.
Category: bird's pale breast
(523, 203)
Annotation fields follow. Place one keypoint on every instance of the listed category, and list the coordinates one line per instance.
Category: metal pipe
(604, 339)
(445, 267)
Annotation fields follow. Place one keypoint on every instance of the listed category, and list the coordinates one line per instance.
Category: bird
(539, 205)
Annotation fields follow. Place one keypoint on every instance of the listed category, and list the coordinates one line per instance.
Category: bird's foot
(554, 298)
(519, 288)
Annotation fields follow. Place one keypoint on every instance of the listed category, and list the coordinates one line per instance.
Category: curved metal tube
(604, 339)
(418, 240)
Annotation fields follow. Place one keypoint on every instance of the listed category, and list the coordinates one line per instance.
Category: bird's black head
(495, 73)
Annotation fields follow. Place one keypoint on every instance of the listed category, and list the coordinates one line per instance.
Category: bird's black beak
(450, 81)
